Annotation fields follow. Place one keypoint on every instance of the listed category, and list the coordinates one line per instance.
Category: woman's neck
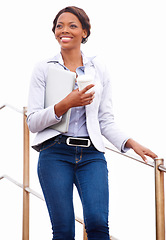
(72, 59)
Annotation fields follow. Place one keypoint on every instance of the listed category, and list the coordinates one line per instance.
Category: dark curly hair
(80, 14)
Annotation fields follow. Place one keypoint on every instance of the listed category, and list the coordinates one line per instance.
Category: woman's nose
(65, 29)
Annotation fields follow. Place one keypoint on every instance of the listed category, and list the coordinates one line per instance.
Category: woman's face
(69, 32)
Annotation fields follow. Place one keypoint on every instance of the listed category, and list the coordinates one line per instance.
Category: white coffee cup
(83, 81)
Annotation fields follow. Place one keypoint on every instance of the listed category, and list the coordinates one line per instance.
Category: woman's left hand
(140, 150)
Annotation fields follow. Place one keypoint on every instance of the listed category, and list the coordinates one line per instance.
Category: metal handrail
(12, 107)
(158, 166)
(162, 168)
(11, 180)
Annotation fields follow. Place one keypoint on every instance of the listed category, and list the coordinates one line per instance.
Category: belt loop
(60, 138)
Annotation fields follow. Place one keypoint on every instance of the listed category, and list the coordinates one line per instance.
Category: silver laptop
(60, 83)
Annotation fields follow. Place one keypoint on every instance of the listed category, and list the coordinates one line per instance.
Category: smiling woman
(62, 162)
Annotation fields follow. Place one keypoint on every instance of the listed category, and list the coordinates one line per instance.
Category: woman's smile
(66, 39)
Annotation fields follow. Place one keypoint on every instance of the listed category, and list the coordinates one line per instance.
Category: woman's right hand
(80, 98)
(74, 99)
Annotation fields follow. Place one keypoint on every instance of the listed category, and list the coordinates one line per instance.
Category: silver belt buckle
(80, 142)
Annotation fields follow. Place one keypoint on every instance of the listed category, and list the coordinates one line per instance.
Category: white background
(130, 38)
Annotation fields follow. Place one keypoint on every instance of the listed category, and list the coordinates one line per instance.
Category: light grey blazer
(99, 114)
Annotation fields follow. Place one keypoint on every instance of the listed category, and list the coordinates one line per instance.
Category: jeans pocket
(47, 145)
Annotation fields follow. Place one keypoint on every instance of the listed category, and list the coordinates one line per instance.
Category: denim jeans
(59, 167)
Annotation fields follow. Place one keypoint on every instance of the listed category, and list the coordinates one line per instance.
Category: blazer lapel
(90, 70)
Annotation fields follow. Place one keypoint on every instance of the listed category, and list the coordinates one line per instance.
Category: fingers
(144, 158)
(143, 152)
(87, 98)
(80, 98)
(151, 154)
(87, 88)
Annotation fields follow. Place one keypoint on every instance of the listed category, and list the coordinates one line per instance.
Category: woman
(61, 165)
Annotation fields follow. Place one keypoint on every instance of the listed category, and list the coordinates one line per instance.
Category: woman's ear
(84, 33)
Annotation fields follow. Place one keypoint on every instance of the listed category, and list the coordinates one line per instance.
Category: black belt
(73, 141)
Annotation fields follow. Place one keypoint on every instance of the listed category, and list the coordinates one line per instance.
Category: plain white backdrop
(129, 36)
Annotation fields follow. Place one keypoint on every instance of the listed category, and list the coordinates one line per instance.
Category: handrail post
(84, 233)
(159, 200)
(25, 226)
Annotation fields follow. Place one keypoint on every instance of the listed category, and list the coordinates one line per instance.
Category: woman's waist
(81, 141)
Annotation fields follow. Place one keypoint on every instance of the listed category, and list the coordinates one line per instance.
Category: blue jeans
(59, 167)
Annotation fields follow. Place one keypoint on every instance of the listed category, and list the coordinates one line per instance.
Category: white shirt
(99, 114)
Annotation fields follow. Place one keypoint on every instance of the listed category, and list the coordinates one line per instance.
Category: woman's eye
(73, 26)
(59, 26)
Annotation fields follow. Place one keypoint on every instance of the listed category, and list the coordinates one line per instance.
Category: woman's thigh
(56, 178)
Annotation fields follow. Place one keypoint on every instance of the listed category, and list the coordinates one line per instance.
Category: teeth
(65, 38)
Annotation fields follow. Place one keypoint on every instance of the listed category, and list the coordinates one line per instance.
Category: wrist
(67, 103)
(61, 107)
(130, 143)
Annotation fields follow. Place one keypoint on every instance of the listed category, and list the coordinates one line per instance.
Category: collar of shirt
(58, 58)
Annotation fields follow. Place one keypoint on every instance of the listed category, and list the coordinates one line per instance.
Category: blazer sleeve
(108, 126)
(38, 117)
